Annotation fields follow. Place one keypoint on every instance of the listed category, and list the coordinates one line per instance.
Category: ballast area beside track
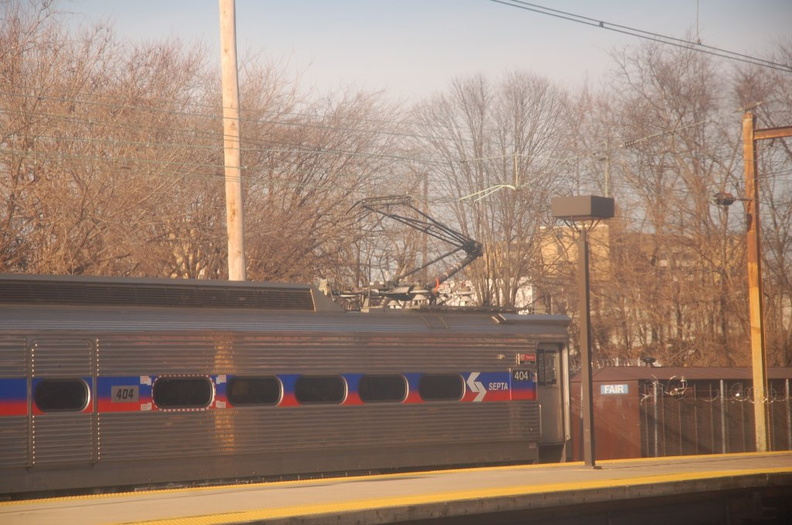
(733, 488)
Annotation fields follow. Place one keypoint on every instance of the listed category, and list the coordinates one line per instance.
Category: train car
(109, 383)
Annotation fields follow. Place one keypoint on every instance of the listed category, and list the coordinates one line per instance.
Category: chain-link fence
(681, 417)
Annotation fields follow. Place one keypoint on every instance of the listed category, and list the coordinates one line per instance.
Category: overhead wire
(270, 146)
(218, 135)
(322, 125)
(305, 123)
(217, 168)
(254, 145)
(647, 35)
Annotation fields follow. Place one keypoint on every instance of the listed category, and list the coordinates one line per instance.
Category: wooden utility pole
(233, 171)
(758, 355)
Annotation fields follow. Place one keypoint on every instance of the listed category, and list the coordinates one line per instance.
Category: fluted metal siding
(62, 356)
(205, 353)
(62, 439)
(271, 430)
(13, 357)
(166, 353)
(254, 430)
(83, 342)
(157, 435)
(14, 430)
(14, 439)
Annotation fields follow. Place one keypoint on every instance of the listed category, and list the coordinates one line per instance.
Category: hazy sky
(413, 48)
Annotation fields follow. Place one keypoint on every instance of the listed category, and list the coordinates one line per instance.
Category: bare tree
(112, 162)
(678, 267)
(306, 170)
(499, 149)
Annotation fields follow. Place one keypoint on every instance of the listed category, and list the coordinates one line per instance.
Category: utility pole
(231, 148)
(758, 355)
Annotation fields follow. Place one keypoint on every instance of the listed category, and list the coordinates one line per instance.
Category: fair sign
(610, 390)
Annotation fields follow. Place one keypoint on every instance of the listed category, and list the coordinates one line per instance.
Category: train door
(62, 405)
(552, 387)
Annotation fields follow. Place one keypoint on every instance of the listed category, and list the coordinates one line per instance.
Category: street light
(583, 213)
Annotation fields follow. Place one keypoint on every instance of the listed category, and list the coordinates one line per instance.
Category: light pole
(583, 213)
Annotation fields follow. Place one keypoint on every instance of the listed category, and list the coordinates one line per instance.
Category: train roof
(26, 318)
(101, 304)
(176, 293)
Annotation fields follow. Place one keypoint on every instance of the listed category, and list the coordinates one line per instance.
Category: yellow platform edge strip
(445, 497)
(408, 474)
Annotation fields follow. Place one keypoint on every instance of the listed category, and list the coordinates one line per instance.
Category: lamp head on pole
(724, 198)
(582, 208)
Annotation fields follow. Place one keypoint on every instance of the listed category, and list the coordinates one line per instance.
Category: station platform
(733, 488)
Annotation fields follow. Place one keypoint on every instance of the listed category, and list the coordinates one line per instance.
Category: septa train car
(108, 383)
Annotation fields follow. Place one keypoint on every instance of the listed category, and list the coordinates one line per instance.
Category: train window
(320, 389)
(254, 390)
(547, 367)
(437, 387)
(182, 392)
(382, 388)
(61, 395)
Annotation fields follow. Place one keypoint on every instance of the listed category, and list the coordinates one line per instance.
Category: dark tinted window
(546, 364)
(435, 387)
(61, 395)
(373, 389)
(320, 389)
(182, 392)
(254, 391)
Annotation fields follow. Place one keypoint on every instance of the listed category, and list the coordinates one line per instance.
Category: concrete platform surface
(416, 495)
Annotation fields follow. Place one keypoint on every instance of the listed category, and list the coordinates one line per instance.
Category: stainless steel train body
(113, 383)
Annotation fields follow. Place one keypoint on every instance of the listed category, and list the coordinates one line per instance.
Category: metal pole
(754, 256)
(724, 442)
(656, 396)
(788, 415)
(587, 398)
(233, 172)
(425, 240)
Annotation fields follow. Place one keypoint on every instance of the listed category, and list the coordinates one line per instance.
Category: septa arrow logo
(476, 386)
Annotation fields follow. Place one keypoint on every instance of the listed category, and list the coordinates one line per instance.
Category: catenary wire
(647, 35)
